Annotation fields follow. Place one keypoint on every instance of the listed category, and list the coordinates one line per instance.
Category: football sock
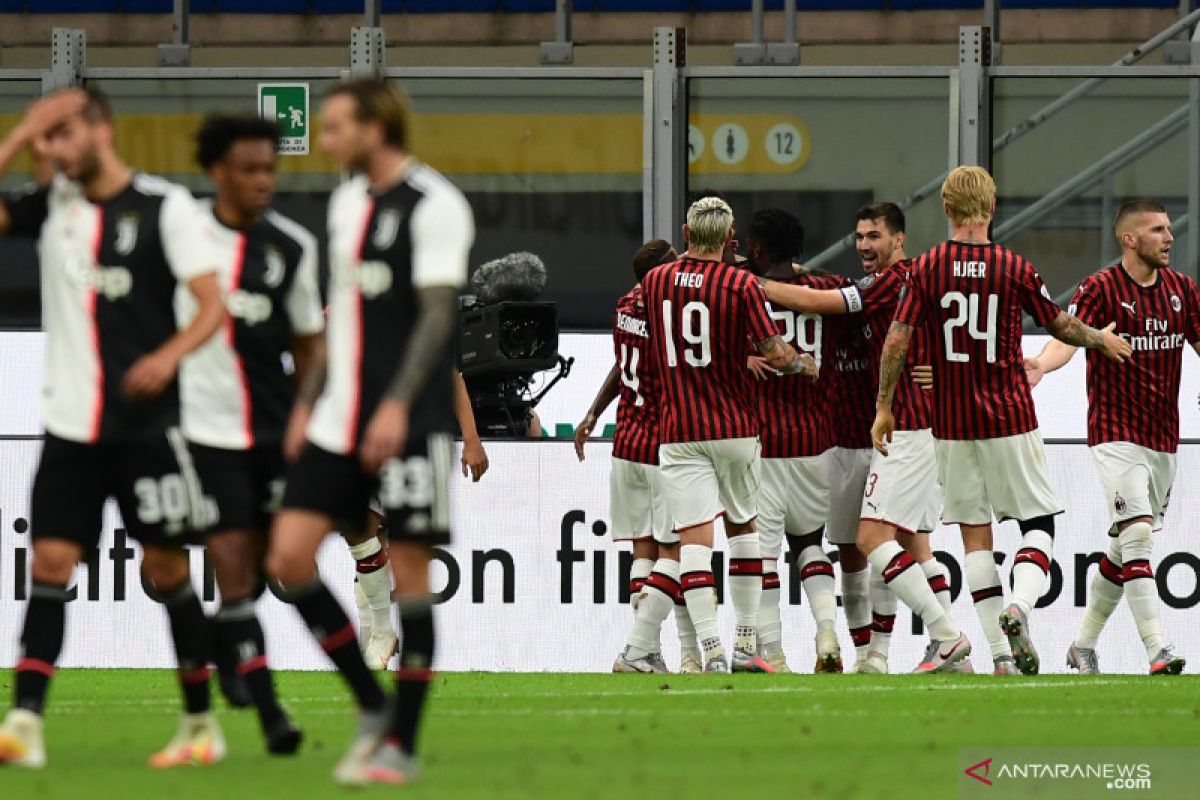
(1031, 568)
(745, 588)
(41, 643)
(1104, 594)
(939, 581)
(883, 612)
(1141, 590)
(696, 578)
(333, 631)
(639, 570)
(375, 581)
(856, 602)
(896, 568)
(241, 633)
(659, 591)
(816, 577)
(416, 669)
(193, 644)
(688, 645)
(983, 579)
(770, 625)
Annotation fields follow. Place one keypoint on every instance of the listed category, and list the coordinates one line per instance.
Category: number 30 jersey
(703, 315)
(971, 297)
(637, 402)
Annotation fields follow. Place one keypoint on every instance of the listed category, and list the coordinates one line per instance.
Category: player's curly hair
(709, 221)
(779, 233)
(218, 132)
(969, 195)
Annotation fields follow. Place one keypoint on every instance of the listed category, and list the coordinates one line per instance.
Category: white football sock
(939, 582)
(696, 578)
(375, 580)
(816, 576)
(688, 644)
(1031, 569)
(983, 579)
(658, 598)
(770, 625)
(856, 602)
(745, 588)
(638, 571)
(1141, 590)
(896, 568)
(883, 612)
(1104, 594)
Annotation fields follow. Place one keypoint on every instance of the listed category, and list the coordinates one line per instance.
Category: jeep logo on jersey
(127, 233)
(276, 267)
(112, 282)
(387, 225)
(250, 308)
(374, 278)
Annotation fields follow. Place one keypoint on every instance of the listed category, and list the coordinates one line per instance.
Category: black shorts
(414, 490)
(153, 482)
(242, 487)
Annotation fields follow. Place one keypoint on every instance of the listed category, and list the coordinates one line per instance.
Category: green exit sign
(287, 104)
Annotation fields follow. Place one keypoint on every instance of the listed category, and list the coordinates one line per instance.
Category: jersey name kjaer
(970, 269)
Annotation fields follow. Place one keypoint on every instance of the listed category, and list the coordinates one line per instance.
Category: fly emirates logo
(1156, 335)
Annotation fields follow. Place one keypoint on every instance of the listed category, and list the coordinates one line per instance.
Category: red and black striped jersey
(701, 315)
(970, 297)
(853, 385)
(636, 438)
(1138, 401)
(875, 298)
(797, 414)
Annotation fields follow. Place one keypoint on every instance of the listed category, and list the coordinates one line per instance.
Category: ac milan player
(637, 508)
(900, 499)
(1133, 419)
(114, 245)
(797, 422)
(701, 313)
(971, 292)
(400, 234)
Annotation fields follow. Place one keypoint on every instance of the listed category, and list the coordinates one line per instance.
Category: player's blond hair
(708, 221)
(969, 194)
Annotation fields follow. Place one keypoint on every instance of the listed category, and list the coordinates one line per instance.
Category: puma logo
(893, 569)
(1129, 307)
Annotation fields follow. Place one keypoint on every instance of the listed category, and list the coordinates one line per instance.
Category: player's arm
(891, 367)
(608, 392)
(1054, 355)
(154, 371)
(474, 457)
(311, 358)
(42, 117)
(804, 299)
(1069, 329)
(784, 358)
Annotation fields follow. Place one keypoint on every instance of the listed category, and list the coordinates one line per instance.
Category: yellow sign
(758, 144)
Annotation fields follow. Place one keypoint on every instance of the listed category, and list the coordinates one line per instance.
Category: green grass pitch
(605, 736)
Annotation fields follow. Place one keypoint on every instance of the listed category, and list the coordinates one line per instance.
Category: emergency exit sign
(287, 104)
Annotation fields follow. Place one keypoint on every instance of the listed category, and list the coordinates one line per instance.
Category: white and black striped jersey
(235, 390)
(383, 247)
(109, 272)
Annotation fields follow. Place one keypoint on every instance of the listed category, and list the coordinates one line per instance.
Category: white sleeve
(304, 300)
(187, 236)
(442, 233)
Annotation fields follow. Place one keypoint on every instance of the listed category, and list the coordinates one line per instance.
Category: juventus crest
(276, 267)
(387, 225)
(127, 234)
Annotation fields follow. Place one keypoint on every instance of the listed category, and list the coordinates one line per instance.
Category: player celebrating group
(970, 292)
(1133, 419)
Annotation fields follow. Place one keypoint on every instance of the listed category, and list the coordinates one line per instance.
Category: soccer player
(400, 235)
(1133, 419)
(797, 434)
(900, 499)
(991, 461)
(638, 513)
(701, 313)
(235, 391)
(113, 245)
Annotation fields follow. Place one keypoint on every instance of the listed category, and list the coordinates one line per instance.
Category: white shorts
(703, 480)
(1137, 481)
(847, 480)
(794, 499)
(636, 504)
(902, 489)
(1006, 477)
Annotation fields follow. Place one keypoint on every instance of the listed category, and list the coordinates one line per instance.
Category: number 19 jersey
(971, 297)
(703, 315)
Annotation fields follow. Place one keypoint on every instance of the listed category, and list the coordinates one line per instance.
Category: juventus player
(638, 510)
(900, 499)
(971, 292)
(1133, 419)
(113, 246)
(797, 422)
(235, 392)
(701, 312)
(400, 234)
